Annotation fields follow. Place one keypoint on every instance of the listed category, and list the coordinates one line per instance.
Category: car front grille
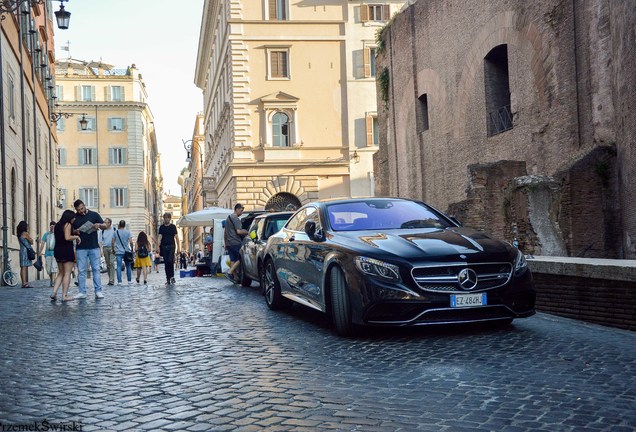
(445, 278)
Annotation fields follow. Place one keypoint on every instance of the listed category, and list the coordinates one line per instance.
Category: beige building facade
(27, 134)
(289, 99)
(112, 165)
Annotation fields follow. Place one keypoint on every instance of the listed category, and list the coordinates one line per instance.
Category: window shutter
(124, 156)
(80, 157)
(386, 12)
(60, 93)
(112, 197)
(123, 94)
(272, 9)
(93, 93)
(78, 93)
(364, 13)
(369, 123)
(60, 124)
(107, 93)
(367, 62)
(111, 156)
(82, 195)
(96, 198)
(110, 123)
(123, 124)
(125, 197)
(62, 156)
(274, 64)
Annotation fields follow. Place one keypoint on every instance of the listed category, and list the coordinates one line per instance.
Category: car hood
(443, 244)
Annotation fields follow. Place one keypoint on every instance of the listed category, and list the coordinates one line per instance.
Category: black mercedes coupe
(393, 262)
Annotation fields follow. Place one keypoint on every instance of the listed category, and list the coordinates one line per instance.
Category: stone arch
(505, 28)
(288, 184)
(283, 201)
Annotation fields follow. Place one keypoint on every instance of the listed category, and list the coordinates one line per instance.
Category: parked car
(393, 262)
(263, 227)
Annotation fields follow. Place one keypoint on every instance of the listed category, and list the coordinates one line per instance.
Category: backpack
(50, 241)
(142, 251)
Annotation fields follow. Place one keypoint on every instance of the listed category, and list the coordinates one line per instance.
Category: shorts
(51, 264)
(233, 252)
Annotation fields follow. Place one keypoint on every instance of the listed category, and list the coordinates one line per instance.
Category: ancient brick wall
(562, 102)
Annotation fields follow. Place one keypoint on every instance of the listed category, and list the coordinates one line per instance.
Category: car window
(297, 221)
(383, 214)
(257, 226)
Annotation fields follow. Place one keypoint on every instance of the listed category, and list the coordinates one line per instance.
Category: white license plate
(468, 300)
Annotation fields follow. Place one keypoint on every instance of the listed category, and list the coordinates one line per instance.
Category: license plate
(468, 300)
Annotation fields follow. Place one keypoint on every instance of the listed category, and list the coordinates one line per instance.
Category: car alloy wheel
(340, 304)
(273, 297)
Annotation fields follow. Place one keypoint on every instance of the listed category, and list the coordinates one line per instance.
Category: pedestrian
(48, 247)
(183, 260)
(233, 237)
(106, 241)
(64, 253)
(122, 244)
(86, 225)
(142, 257)
(27, 254)
(157, 260)
(168, 244)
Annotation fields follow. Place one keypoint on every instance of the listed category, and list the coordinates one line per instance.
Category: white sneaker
(99, 295)
(80, 296)
(130, 282)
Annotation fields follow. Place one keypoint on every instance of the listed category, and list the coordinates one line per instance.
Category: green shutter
(124, 156)
(112, 197)
(111, 156)
(80, 157)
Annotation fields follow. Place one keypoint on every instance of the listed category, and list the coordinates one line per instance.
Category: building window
(59, 92)
(373, 133)
(369, 62)
(117, 156)
(119, 197)
(278, 64)
(116, 124)
(90, 123)
(60, 124)
(116, 93)
(497, 88)
(280, 130)
(277, 10)
(87, 156)
(11, 98)
(89, 196)
(374, 12)
(87, 93)
(422, 114)
(61, 156)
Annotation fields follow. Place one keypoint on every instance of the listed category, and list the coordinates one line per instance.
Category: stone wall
(562, 101)
(597, 291)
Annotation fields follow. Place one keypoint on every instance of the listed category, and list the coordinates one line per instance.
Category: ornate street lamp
(11, 6)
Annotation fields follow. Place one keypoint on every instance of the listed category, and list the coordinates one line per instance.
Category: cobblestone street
(209, 355)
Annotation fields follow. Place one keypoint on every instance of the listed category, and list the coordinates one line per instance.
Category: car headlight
(377, 268)
(520, 263)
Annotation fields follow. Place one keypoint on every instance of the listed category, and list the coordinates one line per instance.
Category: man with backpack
(47, 246)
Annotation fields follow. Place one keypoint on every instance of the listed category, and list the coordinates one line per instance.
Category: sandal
(53, 298)
(26, 285)
(67, 299)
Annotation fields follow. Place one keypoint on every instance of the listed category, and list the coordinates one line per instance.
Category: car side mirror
(312, 232)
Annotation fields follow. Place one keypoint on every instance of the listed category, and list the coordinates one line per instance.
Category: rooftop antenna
(67, 48)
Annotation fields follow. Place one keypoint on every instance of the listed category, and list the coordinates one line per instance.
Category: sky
(161, 38)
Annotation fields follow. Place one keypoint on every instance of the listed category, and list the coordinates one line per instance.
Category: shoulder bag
(128, 255)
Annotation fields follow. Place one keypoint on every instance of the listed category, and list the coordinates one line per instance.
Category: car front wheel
(273, 296)
(340, 304)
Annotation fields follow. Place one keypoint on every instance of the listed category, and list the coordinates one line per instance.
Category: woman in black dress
(64, 253)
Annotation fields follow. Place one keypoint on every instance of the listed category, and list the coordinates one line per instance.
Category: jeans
(109, 256)
(120, 259)
(167, 252)
(83, 256)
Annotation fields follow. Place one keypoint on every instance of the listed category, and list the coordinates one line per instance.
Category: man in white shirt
(106, 242)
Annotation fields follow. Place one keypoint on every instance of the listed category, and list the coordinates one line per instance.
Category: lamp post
(187, 145)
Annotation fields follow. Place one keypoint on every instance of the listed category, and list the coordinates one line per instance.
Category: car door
(251, 244)
(285, 252)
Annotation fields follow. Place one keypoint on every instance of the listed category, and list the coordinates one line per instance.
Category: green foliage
(384, 80)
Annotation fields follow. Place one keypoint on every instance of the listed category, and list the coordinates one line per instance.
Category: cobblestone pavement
(206, 355)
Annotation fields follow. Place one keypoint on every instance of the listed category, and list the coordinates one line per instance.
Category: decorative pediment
(279, 98)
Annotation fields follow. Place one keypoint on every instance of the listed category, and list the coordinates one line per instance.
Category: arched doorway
(282, 201)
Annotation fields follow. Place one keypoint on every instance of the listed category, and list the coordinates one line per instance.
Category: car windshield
(381, 215)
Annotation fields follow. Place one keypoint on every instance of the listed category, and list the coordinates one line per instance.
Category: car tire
(273, 296)
(340, 304)
(245, 281)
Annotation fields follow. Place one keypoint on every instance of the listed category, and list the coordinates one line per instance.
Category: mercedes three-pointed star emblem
(467, 279)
